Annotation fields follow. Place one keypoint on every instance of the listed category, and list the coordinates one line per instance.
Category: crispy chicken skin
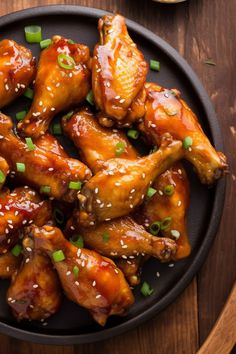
(96, 144)
(9, 264)
(118, 72)
(167, 112)
(42, 168)
(57, 88)
(20, 207)
(97, 284)
(122, 184)
(162, 206)
(4, 170)
(17, 70)
(34, 293)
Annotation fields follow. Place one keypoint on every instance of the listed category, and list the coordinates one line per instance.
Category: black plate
(73, 324)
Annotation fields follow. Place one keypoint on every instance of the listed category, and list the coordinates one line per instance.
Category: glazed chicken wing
(4, 170)
(9, 264)
(19, 208)
(34, 293)
(17, 70)
(122, 184)
(95, 143)
(42, 169)
(119, 72)
(87, 278)
(170, 203)
(62, 81)
(166, 112)
(132, 268)
(49, 142)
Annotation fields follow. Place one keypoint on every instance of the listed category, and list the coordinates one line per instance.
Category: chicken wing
(170, 202)
(62, 81)
(166, 112)
(122, 184)
(4, 170)
(34, 293)
(9, 264)
(17, 70)
(19, 208)
(132, 268)
(42, 169)
(118, 72)
(49, 142)
(95, 143)
(87, 278)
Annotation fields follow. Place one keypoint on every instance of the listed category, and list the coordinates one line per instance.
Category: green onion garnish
(105, 236)
(76, 271)
(120, 148)
(75, 185)
(77, 241)
(151, 191)
(20, 167)
(62, 58)
(58, 256)
(155, 65)
(45, 43)
(33, 34)
(2, 177)
(155, 227)
(45, 189)
(146, 289)
(29, 93)
(187, 142)
(169, 189)
(68, 115)
(90, 98)
(56, 129)
(30, 144)
(16, 250)
(133, 134)
(58, 216)
(21, 115)
(71, 41)
(165, 224)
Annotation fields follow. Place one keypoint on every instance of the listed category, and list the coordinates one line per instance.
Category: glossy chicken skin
(175, 206)
(42, 168)
(98, 285)
(4, 169)
(17, 70)
(57, 88)
(96, 144)
(34, 293)
(19, 208)
(119, 72)
(9, 264)
(122, 184)
(49, 142)
(166, 112)
(132, 268)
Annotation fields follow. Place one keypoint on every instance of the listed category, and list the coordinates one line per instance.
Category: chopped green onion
(62, 58)
(76, 271)
(58, 216)
(16, 250)
(2, 177)
(71, 41)
(169, 189)
(133, 134)
(20, 167)
(90, 98)
(155, 65)
(210, 62)
(33, 34)
(30, 144)
(56, 129)
(165, 224)
(151, 191)
(120, 148)
(155, 227)
(105, 236)
(68, 115)
(58, 256)
(45, 43)
(21, 115)
(45, 189)
(146, 289)
(75, 185)
(187, 142)
(29, 93)
(77, 241)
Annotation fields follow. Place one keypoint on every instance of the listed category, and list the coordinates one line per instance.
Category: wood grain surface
(199, 30)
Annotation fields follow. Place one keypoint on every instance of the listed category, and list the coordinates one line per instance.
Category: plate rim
(219, 194)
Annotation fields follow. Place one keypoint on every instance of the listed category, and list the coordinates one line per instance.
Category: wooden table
(198, 29)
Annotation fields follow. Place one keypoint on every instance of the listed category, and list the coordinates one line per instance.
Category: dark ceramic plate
(73, 324)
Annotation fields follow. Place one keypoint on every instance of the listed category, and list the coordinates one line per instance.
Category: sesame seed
(117, 97)
(107, 219)
(98, 296)
(94, 283)
(79, 252)
(160, 192)
(108, 84)
(83, 263)
(96, 190)
(98, 201)
(117, 184)
(9, 299)
(6, 87)
(76, 283)
(35, 286)
(124, 257)
(98, 70)
(153, 125)
(122, 100)
(131, 206)
(28, 249)
(175, 233)
(51, 169)
(27, 260)
(171, 265)
(49, 88)
(53, 109)
(179, 171)
(158, 274)
(143, 175)
(116, 271)
(132, 190)
(179, 203)
(8, 269)
(124, 246)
